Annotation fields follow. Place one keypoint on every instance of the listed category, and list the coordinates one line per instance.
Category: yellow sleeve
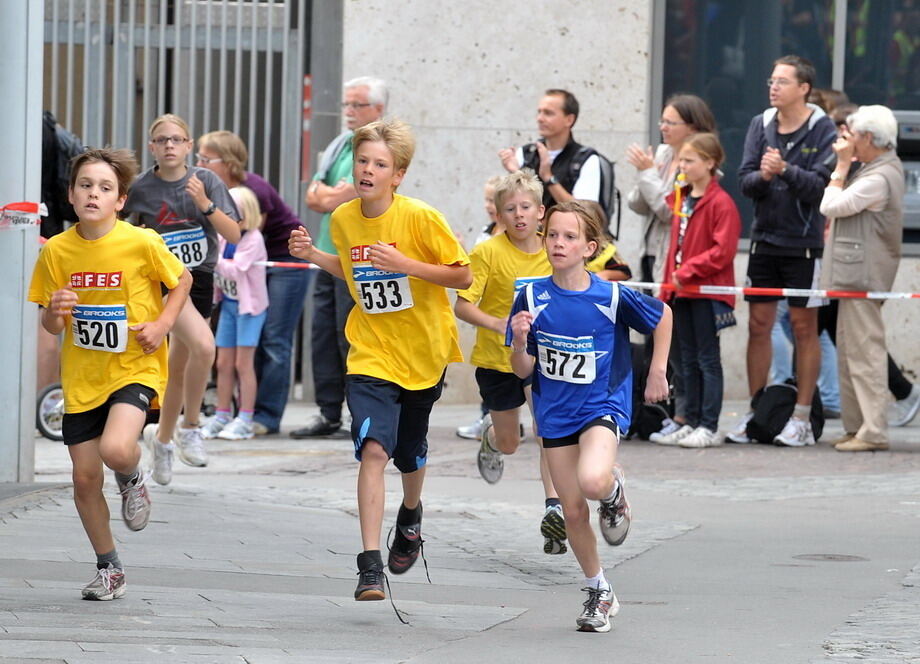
(44, 279)
(441, 241)
(480, 260)
(163, 265)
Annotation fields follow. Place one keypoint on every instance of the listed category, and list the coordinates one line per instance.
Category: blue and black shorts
(81, 427)
(395, 417)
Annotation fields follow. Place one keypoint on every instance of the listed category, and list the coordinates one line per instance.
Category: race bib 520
(100, 327)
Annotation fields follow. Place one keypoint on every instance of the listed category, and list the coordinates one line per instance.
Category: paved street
(737, 554)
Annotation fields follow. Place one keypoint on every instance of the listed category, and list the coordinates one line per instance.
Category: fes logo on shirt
(95, 280)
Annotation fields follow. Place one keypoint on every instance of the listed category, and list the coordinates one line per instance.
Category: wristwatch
(552, 180)
(835, 176)
(211, 209)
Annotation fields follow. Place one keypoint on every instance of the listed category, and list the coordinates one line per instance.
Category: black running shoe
(370, 577)
(407, 543)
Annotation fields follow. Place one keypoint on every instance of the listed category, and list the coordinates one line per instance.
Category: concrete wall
(468, 77)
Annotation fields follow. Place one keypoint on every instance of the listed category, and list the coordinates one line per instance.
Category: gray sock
(127, 480)
(103, 560)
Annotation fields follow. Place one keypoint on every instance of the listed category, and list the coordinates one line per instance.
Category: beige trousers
(863, 368)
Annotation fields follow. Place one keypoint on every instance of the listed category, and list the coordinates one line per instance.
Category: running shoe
(317, 426)
(674, 437)
(135, 502)
(701, 437)
(796, 433)
(213, 426)
(614, 517)
(407, 543)
(471, 431)
(739, 433)
(161, 454)
(552, 527)
(668, 426)
(600, 607)
(370, 577)
(109, 583)
(238, 429)
(490, 461)
(902, 412)
(190, 446)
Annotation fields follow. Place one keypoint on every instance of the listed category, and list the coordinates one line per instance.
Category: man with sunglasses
(364, 101)
(784, 172)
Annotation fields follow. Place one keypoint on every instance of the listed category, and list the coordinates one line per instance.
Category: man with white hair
(783, 171)
(364, 101)
(865, 242)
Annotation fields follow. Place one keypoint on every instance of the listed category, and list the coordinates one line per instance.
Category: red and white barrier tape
(783, 292)
(299, 266)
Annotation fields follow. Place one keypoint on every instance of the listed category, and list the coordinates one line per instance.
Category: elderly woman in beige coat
(863, 253)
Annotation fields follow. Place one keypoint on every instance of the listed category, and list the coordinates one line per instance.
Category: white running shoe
(675, 437)
(796, 433)
(902, 412)
(212, 427)
(238, 429)
(600, 607)
(161, 454)
(471, 431)
(701, 437)
(739, 433)
(668, 426)
(190, 446)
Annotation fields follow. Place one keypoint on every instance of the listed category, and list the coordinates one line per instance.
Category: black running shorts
(572, 439)
(80, 427)
(500, 390)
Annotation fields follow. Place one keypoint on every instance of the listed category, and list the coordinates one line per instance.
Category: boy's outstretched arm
(300, 245)
(656, 386)
(470, 313)
(150, 334)
(386, 257)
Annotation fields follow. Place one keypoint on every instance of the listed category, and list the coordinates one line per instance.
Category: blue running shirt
(581, 341)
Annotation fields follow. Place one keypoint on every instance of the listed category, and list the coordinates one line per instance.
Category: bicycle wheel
(49, 413)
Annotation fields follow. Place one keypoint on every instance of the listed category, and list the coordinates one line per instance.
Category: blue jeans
(287, 290)
(781, 368)
(332, 302)
(695, 324)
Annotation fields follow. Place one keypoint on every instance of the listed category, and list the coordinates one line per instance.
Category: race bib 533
(380, 291)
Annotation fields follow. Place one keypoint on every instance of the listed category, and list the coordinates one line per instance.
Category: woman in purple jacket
(225, 153)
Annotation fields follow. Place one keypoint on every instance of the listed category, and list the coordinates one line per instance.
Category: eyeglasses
(781, 82)
(669, 123)
(354, 105)
(207, 160)
(163, 140)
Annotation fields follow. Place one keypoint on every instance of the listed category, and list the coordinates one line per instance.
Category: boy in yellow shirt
(100, 284)
(502, 265)
(398, 256)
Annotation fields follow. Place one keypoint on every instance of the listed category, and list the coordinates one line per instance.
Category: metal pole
(21, 52)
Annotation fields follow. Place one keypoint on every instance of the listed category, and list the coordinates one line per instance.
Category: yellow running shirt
(117, 281)
(402, 329)
(499, 270)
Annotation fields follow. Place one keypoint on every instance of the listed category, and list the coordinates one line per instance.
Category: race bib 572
(569, 359)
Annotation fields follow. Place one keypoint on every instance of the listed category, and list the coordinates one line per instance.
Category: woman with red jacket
(704, 239)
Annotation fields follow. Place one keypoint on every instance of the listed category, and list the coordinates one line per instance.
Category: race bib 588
(100, 327)
(380, 291)
(189, 246)
(569, 359)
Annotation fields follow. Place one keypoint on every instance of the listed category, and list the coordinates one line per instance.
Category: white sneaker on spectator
(212, 427)
(796, 433)
(739, 433)
(902, 412)
(701, 437)
(668, 426)
(190, 446)
(237, 429)
(675, 437)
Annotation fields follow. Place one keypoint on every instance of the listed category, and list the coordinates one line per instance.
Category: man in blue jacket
(784, 172)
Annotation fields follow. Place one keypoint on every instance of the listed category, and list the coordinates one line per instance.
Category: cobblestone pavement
(252, 560)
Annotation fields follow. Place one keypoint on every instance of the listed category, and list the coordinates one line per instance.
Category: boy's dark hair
(694, 111)
(840, 113)
(121, 161)
(569, 103)
(804, 69)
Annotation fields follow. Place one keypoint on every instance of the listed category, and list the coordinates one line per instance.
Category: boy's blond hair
(248, 205)
(523, 181)
(170, 117)
(231, 150)
(395, 134)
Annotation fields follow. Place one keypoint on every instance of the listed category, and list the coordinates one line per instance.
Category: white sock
(613, 493)
(600, 581)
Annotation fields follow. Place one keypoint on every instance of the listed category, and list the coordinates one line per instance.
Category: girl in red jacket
(704, 239)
